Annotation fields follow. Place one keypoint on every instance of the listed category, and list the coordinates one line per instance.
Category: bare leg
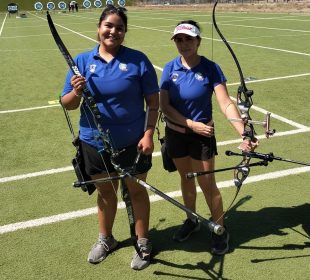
(107, 204)
(208, 186)
(141, 206)
(188, 187)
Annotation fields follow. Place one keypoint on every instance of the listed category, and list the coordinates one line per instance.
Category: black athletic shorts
(189, 144)
(94, 163)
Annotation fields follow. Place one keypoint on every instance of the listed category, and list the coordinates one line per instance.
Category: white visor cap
(186, 28)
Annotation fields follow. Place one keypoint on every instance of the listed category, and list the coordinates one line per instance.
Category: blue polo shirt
(119, 88)
(190, 90)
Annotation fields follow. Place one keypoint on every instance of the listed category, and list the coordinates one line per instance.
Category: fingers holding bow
(249, 145)
(78, 83)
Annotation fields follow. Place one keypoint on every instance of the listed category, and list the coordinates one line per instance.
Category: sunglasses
(110, 7)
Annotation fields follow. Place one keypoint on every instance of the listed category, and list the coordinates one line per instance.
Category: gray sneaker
(145, 247)
(101, 249)
(186, 230)
(220, 243)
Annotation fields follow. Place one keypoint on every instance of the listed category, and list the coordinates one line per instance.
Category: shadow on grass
(243, 226)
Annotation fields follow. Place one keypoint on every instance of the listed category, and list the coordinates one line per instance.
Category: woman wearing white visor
(187, 85)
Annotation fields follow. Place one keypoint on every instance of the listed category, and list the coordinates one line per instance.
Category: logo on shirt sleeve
(92, 68)
(123, 67)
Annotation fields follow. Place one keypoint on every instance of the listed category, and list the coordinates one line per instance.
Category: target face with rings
(38, 6)
(50, 5)
(86, 4)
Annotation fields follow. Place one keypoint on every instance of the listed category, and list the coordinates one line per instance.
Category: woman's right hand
(203, 129)
(78, 83)
(72, 99)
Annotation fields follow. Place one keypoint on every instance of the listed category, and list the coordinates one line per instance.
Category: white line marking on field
(29, 109)
(267, 48)
(75, 32)
(278, 117)
(272, 79)
(158, 68)
(36, 174)
(264, 27)
(277, 134)
(153, 198)
(275, 116)
(2, 25)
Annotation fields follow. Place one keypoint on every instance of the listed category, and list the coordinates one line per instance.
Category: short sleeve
(218, 75)
(149, 80)
(165, 78)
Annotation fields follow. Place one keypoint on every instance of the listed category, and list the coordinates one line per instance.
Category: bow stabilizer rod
(213, 227)
(191, 175)
(270, 157)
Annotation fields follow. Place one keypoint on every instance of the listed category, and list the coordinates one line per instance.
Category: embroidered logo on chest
(198, 76)
(92, 68)
(123, 67)
(174, 77)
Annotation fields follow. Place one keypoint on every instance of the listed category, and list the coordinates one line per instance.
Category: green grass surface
(269, 223)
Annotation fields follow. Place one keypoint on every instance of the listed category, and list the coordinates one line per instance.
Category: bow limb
(242, 81)
(244, 96)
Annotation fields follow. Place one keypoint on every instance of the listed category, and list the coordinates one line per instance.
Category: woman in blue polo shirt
(121, 80)
(186, 89)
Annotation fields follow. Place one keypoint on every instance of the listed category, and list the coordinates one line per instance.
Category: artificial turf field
(47, 227)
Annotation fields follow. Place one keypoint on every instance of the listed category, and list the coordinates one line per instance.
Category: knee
(105, 191)
(138, 194)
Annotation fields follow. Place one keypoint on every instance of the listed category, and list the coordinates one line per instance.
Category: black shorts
(96, 162)
(190, 144)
